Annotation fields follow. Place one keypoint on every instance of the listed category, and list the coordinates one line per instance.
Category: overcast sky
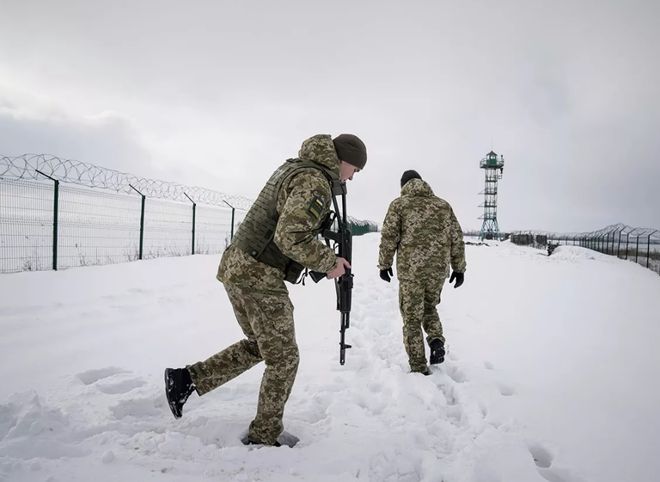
(218, 93)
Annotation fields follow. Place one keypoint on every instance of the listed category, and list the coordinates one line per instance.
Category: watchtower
(493, 166)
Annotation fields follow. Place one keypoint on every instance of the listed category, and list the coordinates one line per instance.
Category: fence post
(233, 210)
(627, 240)
(637, 249)
(141, 220)
(648, 247)
(618, 244)
(56, 200)
(612, 247)
(193, 223)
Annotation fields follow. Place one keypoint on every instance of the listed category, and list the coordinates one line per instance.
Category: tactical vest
(255, 234)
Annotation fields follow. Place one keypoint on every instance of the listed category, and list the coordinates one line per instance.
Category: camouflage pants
(417, 302)
(266, 318)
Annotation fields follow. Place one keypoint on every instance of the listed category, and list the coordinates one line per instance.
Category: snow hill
(551, 375)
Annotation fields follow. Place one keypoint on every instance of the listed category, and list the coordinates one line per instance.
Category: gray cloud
(109, 142)
(218, 93)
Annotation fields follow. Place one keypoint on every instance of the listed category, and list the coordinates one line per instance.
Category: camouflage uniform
(259, 296)
(424, 232)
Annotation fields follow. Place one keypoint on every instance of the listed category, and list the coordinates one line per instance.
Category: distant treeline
(361, 226)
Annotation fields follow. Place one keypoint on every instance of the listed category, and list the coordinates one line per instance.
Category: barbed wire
(618, 228)
(26, 166)
(626, 230)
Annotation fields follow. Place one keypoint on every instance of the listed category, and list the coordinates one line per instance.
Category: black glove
(386, 274)
(459, 277)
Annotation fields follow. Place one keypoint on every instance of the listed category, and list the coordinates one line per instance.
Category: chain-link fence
(529, 239)
(80, 219)
(641, 245)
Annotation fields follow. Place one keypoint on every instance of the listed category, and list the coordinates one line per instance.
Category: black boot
(178, 387)
(437, 352)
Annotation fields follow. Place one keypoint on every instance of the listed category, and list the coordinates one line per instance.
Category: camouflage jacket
(303, 202)
(424, 232)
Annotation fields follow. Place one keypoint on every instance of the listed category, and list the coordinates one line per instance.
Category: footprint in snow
(456, 374)
(450, 394)
(139, 291)
(543, 460)
(506, 390)
(483, 409)
(124, 386)
(92, 376)
(542, 456)
(139, 407)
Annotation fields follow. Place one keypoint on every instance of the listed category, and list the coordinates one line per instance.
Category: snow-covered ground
(551, 375)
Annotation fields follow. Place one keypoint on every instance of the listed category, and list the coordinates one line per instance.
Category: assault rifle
(343, 242)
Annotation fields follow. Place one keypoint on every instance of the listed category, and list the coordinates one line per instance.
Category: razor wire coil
(29, 166)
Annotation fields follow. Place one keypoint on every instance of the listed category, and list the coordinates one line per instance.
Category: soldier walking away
(427, 238)
(275, 242)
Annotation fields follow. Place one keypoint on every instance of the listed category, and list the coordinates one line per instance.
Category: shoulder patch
(316, 205)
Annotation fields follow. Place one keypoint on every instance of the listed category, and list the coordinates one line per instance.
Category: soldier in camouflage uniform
(274, 243)
(424, 232)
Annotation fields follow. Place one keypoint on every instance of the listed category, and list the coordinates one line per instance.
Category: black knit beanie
(351, 149)
(408, 175)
